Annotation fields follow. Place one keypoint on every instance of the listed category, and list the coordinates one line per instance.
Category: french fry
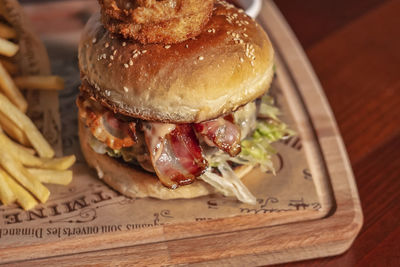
(50, 82)
(13, 131)
(10, 67)
(25, 178)
(62, 163)
(8, 48)
(7, 32)
(52, 176)
(36, 139)
(6, 194)
(26, 200)
(17, 150)
(9, 88)
(29, 160)
(22, 171)
(26, 149)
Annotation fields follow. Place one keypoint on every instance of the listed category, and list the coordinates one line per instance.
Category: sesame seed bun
(228, 65)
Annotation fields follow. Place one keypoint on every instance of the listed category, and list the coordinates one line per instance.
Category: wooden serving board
(310, 209)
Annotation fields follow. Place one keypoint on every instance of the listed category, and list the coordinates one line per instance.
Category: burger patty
(174, 151)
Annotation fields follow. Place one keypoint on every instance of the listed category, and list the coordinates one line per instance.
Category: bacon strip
(176, 156)
(222, 133)
(187, 149)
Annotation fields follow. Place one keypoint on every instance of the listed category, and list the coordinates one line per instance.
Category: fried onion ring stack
(156, 21)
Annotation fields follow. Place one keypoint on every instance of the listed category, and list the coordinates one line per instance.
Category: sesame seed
(225, 4)
(144, 51)
(106, 45)
(126, 89)
(167, 46)
(187, 46)
(241, 60)
(200, 58)
(115, 52)
(94, 40)
(245, 35)
(109, 64)
(112, 57)
(249, 52)
(124, 44)
(130, 62)
(126, 65)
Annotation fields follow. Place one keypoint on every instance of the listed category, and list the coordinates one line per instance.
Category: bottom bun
(134, 182)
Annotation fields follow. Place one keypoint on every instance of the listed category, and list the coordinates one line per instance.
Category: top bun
(228, 65)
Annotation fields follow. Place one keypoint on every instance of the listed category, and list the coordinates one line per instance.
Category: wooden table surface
(354, 47)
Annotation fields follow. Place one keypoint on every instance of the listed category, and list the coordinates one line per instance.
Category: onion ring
(156, 21)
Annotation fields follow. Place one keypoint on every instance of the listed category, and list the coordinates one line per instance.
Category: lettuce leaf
(228, 183)
(256, 150)
(127, 154)
(268, 109)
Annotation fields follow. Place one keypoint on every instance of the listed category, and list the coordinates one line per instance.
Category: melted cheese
(157, 131)
(246, 118)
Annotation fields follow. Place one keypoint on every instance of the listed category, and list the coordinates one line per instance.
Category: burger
(178, 120)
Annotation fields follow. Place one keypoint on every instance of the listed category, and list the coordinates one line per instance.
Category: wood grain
(357, 62)
(314, 20)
